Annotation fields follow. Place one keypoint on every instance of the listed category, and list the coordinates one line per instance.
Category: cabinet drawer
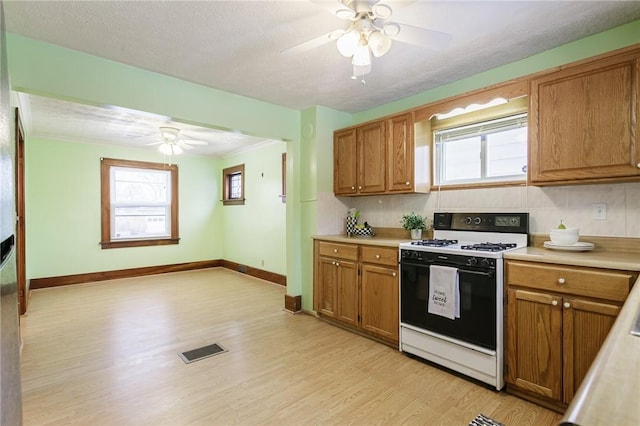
(590, 282)
(380, 255)
(343, 251)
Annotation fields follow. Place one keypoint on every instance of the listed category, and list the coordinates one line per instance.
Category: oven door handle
(485, 274)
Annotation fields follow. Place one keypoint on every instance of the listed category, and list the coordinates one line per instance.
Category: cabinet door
(372, 148)
(379, 295)
(534, 342)
(400, 161)
(347, 292)
(585, 327)
(584, 122)
(327, 282)
(345, 172)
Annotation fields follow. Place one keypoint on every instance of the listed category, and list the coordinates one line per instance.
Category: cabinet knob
(337, 263)
(353, 187)
(407, 183)
(638, 165)
(335, 250)
(567, 305)
(394, 274)
(359, 187)
(377, 256)
(554, 302)
(333, 263)
(561, 281)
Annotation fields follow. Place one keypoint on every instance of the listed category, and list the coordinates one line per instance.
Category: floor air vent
(482, 420)
(201, 353)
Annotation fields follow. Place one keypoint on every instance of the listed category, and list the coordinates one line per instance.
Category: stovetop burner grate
(434, 243)
(489, 246)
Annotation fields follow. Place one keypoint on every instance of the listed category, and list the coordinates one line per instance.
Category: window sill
(233, 202)
(139, 243)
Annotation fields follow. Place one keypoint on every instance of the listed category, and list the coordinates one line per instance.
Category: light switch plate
(599, 211)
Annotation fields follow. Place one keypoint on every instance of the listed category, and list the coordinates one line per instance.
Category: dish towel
(444, 292)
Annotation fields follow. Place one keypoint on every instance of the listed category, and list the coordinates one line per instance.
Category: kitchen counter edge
(372, 241)
(591, 259)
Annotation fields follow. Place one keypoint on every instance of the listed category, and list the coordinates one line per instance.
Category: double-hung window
(492, 151)
(139, 203)
(233, 185)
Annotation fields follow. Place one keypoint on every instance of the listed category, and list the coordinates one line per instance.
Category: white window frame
(441, 136)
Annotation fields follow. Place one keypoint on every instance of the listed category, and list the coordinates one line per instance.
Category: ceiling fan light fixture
(362, 56)
(346, 13)
(381, 10)
(379, 43)
(170, 148)
(391, 29)
(360, 70)
(348, 42)
(169, 133)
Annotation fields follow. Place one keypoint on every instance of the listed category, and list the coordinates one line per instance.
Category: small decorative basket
(352, 228)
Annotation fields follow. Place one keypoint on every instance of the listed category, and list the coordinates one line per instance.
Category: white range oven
(452, 292)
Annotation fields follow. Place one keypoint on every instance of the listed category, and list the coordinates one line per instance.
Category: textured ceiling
(236, 45)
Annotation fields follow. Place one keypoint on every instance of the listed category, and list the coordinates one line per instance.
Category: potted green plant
(415, 223)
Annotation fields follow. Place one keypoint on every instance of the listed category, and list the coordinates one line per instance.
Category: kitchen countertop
(594, 259)
(373, 241)
(610, 392)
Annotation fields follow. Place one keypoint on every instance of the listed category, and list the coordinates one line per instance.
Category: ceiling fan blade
(418, 36)
(194, 142)
(313, 43)
(154, 143)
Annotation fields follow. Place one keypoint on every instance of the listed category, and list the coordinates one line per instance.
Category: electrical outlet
(599, 211)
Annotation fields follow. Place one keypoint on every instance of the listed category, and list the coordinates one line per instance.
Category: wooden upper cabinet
(584, 122)
(400, 162)
(381, 157)
(359, 156)
(345, 171)
(372, 149)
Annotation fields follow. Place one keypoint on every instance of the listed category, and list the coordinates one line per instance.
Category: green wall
(41, 68)
(254, 234)
(62, 200)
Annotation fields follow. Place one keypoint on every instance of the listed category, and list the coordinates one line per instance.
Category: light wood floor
(106, 354)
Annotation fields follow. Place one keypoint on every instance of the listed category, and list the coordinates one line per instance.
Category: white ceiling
(236, 46)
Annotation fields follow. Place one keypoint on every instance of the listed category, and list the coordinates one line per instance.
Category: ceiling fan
(370, 31)
(173, 143)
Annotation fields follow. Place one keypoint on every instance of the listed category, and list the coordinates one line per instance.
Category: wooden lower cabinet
(338, 289)
(357, 286)
(555, 328)
(379, 310)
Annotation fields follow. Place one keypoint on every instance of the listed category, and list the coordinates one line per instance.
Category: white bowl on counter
(564, 237)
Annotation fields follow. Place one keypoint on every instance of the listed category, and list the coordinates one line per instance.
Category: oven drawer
(601, 284)
(343, 251)
(380, 255)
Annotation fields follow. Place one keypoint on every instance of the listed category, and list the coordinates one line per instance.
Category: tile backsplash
(546, 206)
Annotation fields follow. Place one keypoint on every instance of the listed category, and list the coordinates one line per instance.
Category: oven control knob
(467, 220)
(477, 220)
(472, 261)
(484, 262)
